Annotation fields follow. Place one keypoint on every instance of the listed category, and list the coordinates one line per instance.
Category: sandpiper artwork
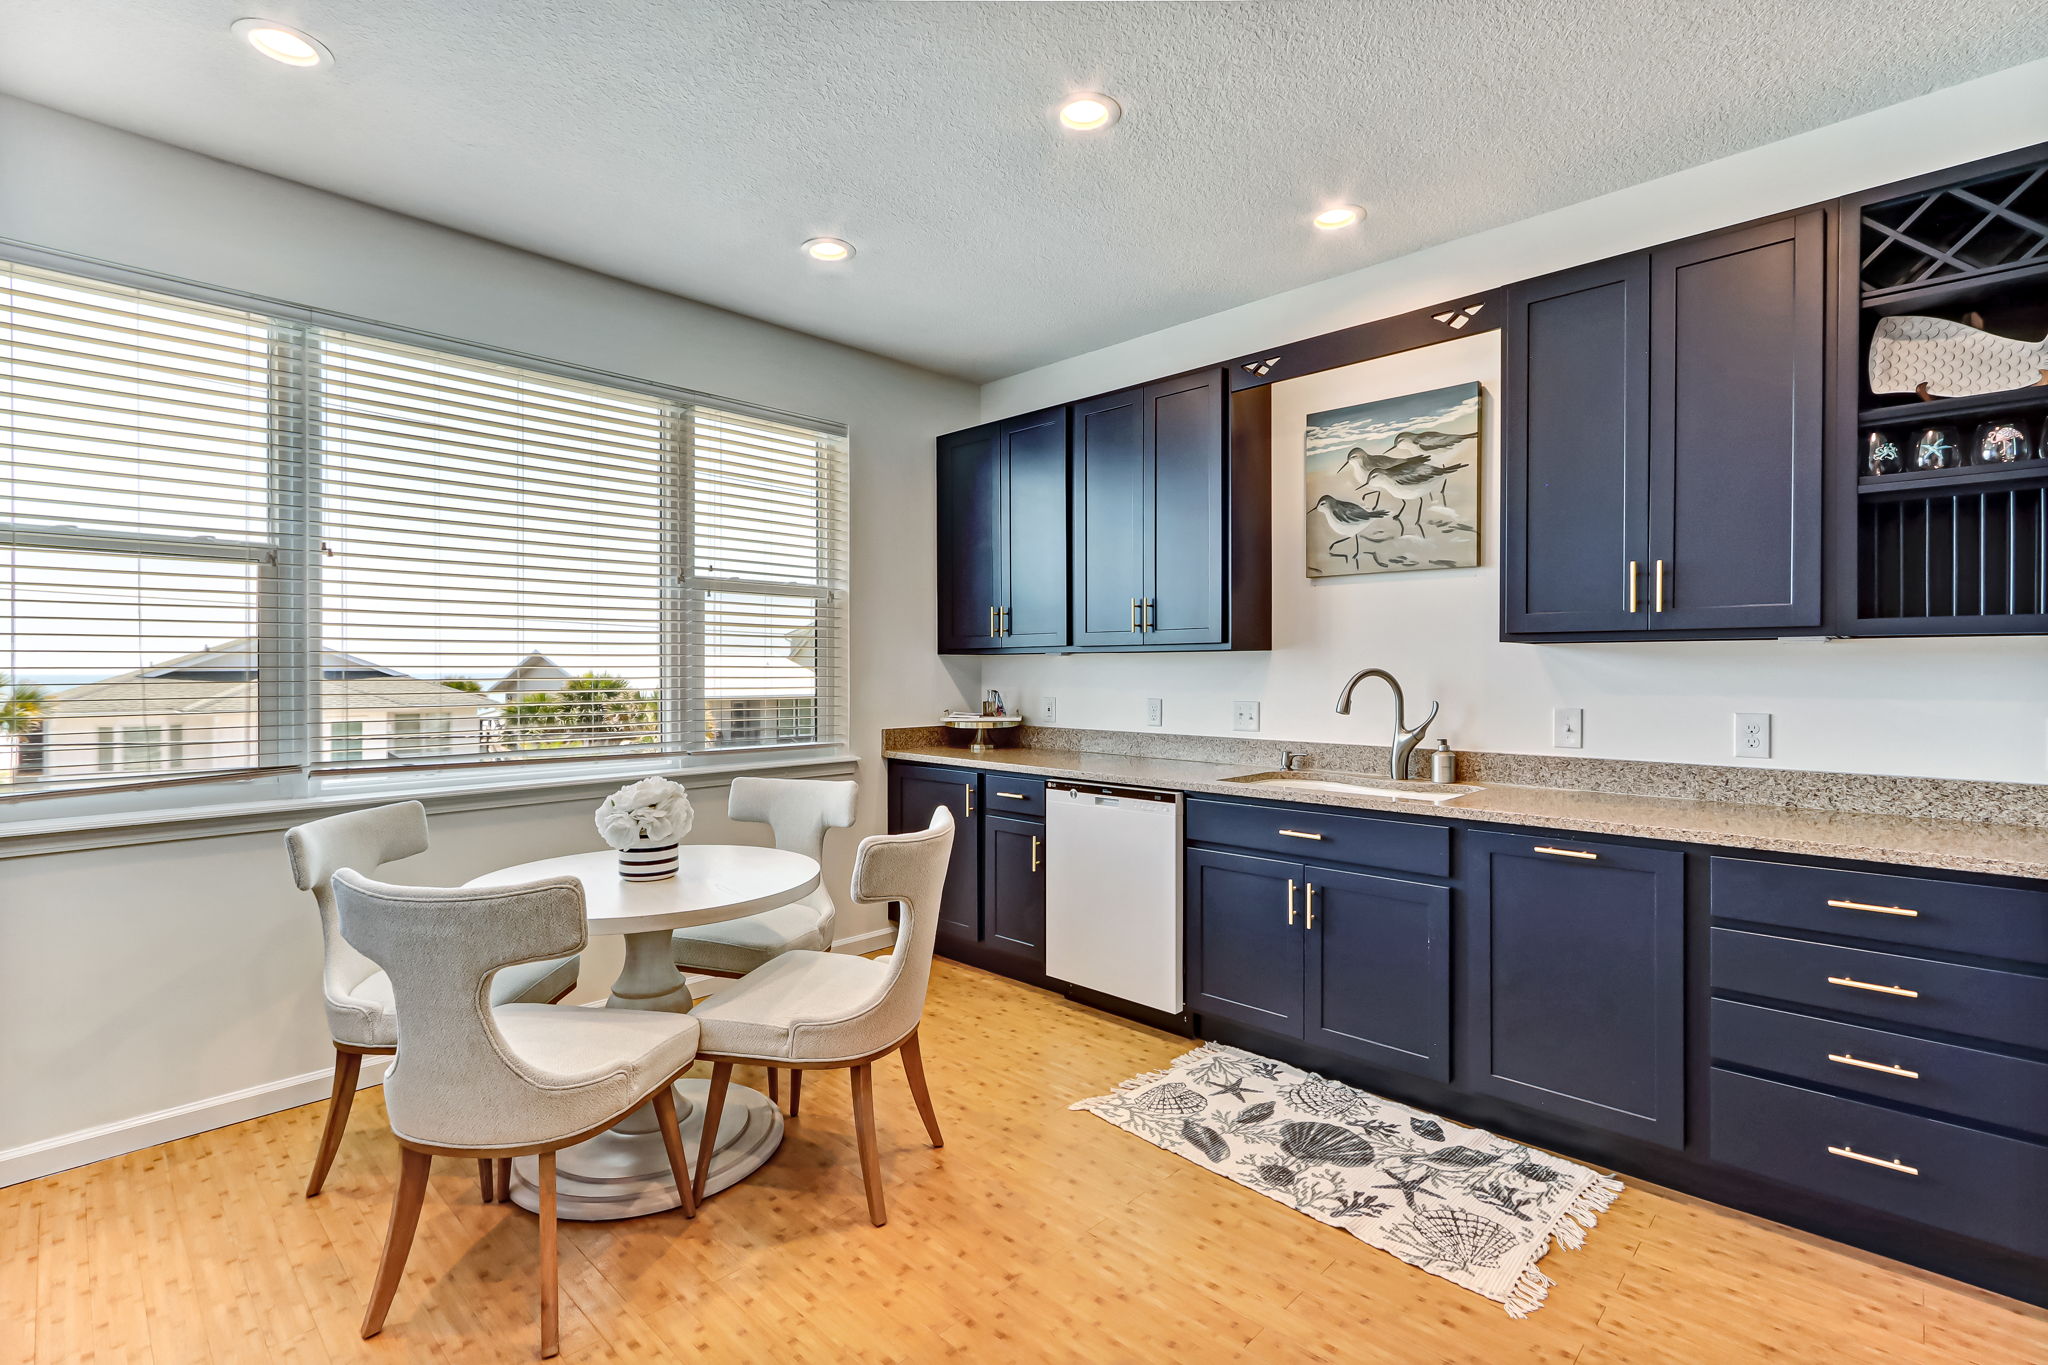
(1393, 485)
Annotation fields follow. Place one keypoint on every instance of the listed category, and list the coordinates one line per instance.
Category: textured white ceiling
(692, 144)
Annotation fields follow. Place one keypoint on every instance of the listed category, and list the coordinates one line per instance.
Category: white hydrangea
(653, 810)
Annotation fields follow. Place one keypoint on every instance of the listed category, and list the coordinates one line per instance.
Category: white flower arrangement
(651, 811)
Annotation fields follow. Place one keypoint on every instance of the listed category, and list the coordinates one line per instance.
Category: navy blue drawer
(1002, 794)
(1917, 912)
(1984, 1186)
(1963, 1081)
(1321, 836)
(1913, 991)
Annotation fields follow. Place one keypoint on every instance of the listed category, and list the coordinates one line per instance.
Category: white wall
(1939, 708)
(169, 974)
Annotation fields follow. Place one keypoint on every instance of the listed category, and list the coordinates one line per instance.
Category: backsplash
(2004, 803)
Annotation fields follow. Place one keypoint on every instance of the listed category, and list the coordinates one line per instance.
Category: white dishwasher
(1112, 891)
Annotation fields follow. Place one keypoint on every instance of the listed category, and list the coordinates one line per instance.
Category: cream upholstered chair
(810, 1010)
(493, 1082)
(360, 1018)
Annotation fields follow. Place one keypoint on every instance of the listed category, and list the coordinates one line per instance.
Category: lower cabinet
(914, 793)
(1355, 963)
(1013, 887)
(993, 914)
(1575, 981)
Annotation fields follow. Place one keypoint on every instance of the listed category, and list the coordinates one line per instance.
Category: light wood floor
(1036, 1234)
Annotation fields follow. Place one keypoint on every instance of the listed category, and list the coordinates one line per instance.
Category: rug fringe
(1531, 1289)
(1585, 1209)
(1150, 1077)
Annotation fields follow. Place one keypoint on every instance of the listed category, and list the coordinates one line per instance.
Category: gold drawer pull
(1846, 1060)
(1567, 853)
(1854, 984)
(1876, 909)
(1013, 796)
(1290, 900)
(1901, 1167)
(1300, 834)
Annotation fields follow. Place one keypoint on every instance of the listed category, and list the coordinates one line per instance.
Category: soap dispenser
(1443, 764)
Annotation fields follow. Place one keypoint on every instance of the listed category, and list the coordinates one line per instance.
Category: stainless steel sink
(1359, 784)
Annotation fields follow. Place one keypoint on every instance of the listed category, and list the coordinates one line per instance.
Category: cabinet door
(1244, 939)
(914, 793)
(1574, 987)
(1574, 450)
(1186, 538)
(1013, 886)
(1735, 428)
(1379, 969)
(970, 538)
(1110, 504)
(1033, 590)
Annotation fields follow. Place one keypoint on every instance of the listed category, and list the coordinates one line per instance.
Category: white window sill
(439, 792)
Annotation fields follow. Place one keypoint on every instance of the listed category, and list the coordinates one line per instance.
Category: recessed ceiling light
(1339, 216)
(828, 249)
(281, 44)
(1084, 113)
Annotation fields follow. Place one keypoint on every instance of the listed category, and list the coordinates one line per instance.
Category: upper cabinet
(1002, 570)
(1162, 528)
(1662, 440)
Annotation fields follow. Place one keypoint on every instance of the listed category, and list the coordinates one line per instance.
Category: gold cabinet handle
(1135, 626)
(1034, 853)
(1566, 853)
(1151, 614)
(1013, 796)
(1632, 567)
(1846, 1060)
(1002, 621)
(1854, 984)
(1657, 599)
(1311, 905)
(1290, 900)
(1901, 1167)
(969, 789)
(1301, 834)
(1876, 909)
(991, 623)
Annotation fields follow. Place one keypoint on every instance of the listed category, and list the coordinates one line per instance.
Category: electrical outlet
(1155, 711)
(1046, 712)
(1244, 715)
(1568, 728)
(1752, 734)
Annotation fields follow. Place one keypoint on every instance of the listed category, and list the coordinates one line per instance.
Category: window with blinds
(237, 544)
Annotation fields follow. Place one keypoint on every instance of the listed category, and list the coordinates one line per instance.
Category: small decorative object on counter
(1937, 447)
(645, 821)
(1443, 763)
(1881, 454)
(979, 726)
(2000, 441)
(992, 705)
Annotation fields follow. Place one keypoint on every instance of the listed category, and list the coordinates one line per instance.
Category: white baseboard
(866, 943)
(88, 1145)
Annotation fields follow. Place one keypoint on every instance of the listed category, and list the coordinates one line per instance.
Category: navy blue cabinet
(1149, 512)
(1378, 969)
(915, 791)
(1013, 885)
(1244, 939)
(1002, 535)
(1661, 440)
(1574, 957)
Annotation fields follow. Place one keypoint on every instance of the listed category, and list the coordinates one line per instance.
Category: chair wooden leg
(550, 1284)
(864, 1130)
(487, 1178)
(504, 1182)
(714, 1110)
(774, 1085)
(913, 1068)
(405, 1217)
(347, 1067)
(672, 1138)
(796, 1090)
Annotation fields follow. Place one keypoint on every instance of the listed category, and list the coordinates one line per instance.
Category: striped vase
(651, 863)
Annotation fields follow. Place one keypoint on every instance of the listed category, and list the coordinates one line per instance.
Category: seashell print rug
(1475, 1209)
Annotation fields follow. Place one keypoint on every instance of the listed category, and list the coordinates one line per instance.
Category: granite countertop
(1916, 841)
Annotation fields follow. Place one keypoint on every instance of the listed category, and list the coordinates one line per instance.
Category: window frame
(288, 567)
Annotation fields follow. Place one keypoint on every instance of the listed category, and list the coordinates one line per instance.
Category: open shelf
(1920, 411)
(1974, 478)
(1988, 225)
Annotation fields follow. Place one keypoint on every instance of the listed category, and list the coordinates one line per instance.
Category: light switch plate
(1752, 734)
(1568, 728)
(1244, 715)
(1046, 711)
(1155, 711)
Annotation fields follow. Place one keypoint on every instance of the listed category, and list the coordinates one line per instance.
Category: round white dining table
(624, 1173)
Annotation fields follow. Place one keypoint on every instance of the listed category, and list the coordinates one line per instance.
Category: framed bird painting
(1393, 485)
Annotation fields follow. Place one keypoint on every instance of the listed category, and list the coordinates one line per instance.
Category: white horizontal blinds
(767, 582)
(492, 560)
(136, 540)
